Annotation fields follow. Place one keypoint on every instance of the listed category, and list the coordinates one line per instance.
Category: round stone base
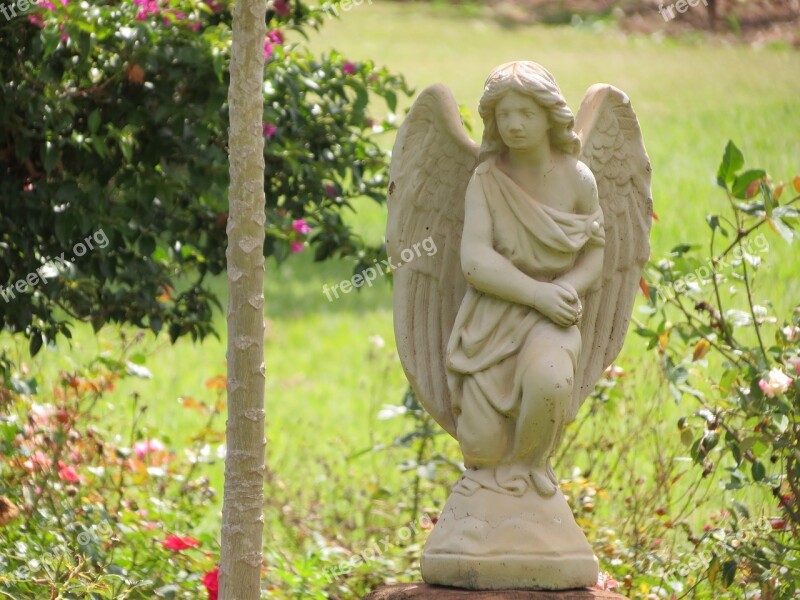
(422, 591)
(492, 541)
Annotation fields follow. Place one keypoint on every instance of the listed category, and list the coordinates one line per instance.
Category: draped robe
(492, 338)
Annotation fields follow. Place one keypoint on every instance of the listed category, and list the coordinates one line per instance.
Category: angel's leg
(483, 433)
(547, 381)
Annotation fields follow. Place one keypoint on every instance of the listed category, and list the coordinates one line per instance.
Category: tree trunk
(242, 511)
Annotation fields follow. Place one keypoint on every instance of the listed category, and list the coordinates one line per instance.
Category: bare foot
(541, 480)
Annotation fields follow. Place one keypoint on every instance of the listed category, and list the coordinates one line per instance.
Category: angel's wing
(432, 162)
(613, 149)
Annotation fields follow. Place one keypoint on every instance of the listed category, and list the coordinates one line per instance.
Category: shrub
(84, 514)
(113, 159)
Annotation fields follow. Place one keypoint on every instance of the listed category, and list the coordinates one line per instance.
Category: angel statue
(541, 234)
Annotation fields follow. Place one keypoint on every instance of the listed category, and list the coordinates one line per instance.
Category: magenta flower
(348, 68)
(281, 8)
(269, 129)
(300, 226)
(148, 7)
(36, 20)
(275, 36)
(267, 49)
(296, 246)
(214, 6)
(195, 26)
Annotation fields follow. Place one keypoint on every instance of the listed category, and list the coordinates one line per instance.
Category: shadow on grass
(296, 288)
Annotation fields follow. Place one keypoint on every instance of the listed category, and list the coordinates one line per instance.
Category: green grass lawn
(326, 379)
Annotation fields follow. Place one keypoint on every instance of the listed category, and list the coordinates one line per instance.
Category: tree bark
(242, 511)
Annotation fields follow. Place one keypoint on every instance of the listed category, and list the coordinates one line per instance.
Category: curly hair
(533, 80)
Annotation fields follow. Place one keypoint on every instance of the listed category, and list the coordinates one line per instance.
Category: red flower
(211, 583)
(178, 543)
(348, 68)
(67, 473)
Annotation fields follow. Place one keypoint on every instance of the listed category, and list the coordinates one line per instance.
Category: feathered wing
(432, 162)
(613, 149)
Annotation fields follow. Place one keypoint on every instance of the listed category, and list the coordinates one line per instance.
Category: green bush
(114, 167)
(738, 363)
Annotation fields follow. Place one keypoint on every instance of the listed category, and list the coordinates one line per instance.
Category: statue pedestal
(422, 591)
(493, 541)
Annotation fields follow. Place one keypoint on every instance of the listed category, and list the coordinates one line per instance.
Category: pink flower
(275, 36)
(269, 129)
(144, 447)
(300, 226)
(38, 460)
(177, 543)
(348, 68)
(67, 473)
(777, 383)
(330, 189)
(36, 20)
(296, 246)
(211, 583)
(794, 361)
(281, 8)
(606, 582)
(267, 49)
(195, 26)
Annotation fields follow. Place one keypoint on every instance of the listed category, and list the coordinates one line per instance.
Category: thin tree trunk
(242, 511)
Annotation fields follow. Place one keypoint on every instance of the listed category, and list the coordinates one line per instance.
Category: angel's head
(531, 80)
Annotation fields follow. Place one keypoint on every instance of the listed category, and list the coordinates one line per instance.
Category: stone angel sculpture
(541, 234)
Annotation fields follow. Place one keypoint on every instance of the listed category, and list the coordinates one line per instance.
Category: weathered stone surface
(533, 244)
(422, 591)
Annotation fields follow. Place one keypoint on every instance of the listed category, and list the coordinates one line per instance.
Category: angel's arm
(587, 273)
(484, 268)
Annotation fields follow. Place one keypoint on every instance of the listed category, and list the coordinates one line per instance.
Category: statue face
(521, 122)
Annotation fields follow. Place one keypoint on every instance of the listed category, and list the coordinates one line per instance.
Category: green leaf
(49, 156)
(147, 245)
(728, 573)
(758, 471)
(687, 437)
(742, 183)
(391, 100)
(781, 228)
(732, 161)
(36, 342)
(94, 121)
